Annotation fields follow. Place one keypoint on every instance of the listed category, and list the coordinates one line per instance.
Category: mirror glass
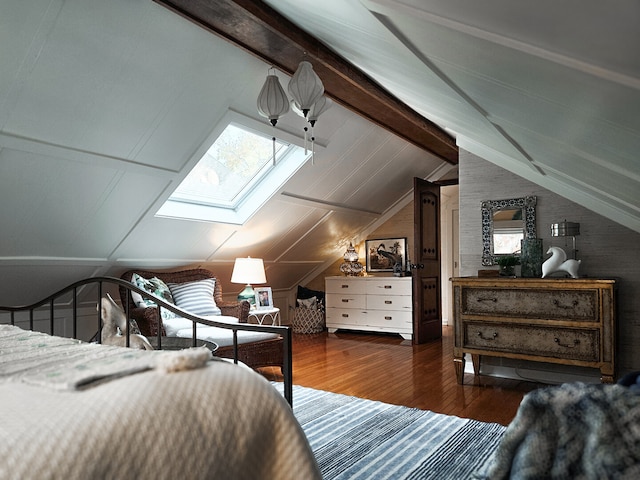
(504, 224)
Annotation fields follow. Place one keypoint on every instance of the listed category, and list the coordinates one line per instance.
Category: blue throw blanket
(572, 431)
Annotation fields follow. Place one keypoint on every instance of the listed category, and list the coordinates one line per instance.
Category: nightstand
(265, 316)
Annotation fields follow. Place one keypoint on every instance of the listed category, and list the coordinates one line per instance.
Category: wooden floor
(392, 370)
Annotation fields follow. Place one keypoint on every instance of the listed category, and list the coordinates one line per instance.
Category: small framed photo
(387, 255)
(264, 297)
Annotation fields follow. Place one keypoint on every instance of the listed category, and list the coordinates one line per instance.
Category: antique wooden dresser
(563, 321)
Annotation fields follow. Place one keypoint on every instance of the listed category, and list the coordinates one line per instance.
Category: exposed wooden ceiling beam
(263, 32)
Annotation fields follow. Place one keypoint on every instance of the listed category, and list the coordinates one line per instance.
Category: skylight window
(236, 161)
(235, 174)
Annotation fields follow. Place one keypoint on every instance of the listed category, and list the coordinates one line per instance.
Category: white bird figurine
(558, 263)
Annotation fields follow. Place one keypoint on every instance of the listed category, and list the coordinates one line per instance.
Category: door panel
(427, 302)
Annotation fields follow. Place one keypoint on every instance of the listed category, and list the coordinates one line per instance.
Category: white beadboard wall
(606, 248)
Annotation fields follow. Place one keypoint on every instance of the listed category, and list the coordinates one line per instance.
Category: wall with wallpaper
(606, 248)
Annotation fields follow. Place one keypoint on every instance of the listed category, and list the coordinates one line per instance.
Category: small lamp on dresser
(567, 229)
(351, 266)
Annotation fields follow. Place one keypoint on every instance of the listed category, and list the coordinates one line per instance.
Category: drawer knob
(345, 300)
(576, 342)
(344, 286)
(487, 299)
(493, 337)
(566, 307)
(388, 302)
(345, 315)
(388, 318)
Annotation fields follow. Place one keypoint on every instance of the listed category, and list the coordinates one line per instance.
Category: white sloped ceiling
(103, 104)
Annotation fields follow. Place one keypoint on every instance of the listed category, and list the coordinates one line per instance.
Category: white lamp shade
(305, 87)
(248, 270)
(272, 101)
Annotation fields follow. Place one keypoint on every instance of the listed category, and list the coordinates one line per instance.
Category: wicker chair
(255, 354)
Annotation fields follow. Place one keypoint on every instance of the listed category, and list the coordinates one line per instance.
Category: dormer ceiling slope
(546, 90)
(105, 105)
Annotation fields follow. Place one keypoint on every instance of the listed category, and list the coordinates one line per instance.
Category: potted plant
(507, 265)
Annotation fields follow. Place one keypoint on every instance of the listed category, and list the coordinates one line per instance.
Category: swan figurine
(558, 263)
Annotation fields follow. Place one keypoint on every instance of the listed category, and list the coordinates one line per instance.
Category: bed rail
(283, 331)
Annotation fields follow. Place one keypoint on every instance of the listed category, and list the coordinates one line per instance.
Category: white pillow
(156, 287)
(311, 303)
(195, 297)
(172, 326)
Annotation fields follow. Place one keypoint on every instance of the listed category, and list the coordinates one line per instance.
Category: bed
(254, 345)
(77, 410)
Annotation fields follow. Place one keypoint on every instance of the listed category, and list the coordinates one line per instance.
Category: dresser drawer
(346, 300)
(554, 304)
(390, 320)
(345, 316)
(340, 285)
(389, 302)
(566, 343)
(388, 286)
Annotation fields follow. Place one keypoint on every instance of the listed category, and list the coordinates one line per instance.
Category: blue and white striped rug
(354, 438)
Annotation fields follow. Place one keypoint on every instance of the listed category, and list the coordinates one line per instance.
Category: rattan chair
(254, 354)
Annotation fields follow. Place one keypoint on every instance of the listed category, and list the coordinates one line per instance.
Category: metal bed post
(287, 370)
(51, 314)
(75, 312)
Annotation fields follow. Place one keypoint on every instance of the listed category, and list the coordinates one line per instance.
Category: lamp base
(248, 295)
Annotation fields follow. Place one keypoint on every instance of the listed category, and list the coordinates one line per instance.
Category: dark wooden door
(427, 299)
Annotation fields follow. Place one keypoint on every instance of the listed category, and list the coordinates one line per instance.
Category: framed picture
(264, 297)
(387, 254)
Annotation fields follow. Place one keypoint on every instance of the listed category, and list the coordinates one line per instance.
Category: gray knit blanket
(572, 431)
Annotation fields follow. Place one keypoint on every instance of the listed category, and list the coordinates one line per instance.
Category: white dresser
(381, 304)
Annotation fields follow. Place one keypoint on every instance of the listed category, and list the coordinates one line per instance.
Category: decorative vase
(531, 257)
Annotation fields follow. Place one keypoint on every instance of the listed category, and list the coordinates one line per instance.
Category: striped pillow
(195, 297)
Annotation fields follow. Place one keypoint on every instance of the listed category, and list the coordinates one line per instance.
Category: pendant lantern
(322, 105)
(272, 104)
(272, 101)
(305, 87)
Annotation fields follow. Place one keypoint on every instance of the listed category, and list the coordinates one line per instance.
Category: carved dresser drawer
(557, 342)
(577, 305)
(565, 321)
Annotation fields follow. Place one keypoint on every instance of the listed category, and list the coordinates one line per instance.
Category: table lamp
(248, 270)
(567, 229)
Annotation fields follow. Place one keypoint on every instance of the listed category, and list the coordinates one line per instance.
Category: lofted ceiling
(104, 104)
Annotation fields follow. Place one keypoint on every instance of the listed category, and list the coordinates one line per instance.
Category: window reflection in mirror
(508, 230)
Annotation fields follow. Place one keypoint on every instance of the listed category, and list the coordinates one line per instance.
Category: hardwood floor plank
(392, 370)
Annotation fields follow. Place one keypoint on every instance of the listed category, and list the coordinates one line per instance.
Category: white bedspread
(219, 421)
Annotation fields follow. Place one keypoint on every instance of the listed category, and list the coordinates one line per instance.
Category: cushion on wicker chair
(156, 287)
(196, 297)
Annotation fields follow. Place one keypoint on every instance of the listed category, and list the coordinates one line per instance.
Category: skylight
(237, 160)
(235, 174)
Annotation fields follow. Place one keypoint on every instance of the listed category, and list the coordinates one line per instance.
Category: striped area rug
(354, 438)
